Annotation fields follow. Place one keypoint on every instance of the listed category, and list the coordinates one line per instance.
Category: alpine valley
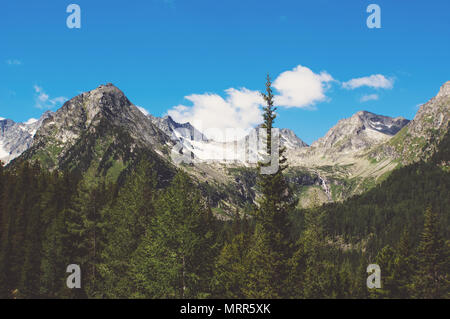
(151, 208)
(101, 133)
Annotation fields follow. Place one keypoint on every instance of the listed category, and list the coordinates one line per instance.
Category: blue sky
(159, 52)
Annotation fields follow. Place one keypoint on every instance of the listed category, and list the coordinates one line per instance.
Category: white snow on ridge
(31, 121)
(4, 155)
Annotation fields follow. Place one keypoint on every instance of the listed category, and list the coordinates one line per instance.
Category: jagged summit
(108, 99)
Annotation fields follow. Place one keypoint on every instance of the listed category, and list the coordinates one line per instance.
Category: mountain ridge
(101, 131)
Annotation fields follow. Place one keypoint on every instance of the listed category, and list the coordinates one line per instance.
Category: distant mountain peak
(177, 131)
(15, 138)
(360, 131)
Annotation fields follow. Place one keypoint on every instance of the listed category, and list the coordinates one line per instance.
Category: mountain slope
(99, 131)
(399, 200)
(419, 139)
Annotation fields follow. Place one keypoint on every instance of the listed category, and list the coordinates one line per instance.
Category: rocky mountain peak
(384, 124)
(106, 98)
(290, 139)
(362, 130)
(104, 110)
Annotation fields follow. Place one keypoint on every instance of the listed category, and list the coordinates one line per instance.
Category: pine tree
(270, 246)
(432, 277)
(404, 265)
(276, 197)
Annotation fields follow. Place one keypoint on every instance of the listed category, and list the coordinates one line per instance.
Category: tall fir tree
(270, 246)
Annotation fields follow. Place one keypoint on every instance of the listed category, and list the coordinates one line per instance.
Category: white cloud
(369, 97)
(13, 62)
(43, 97)
(2, 118)
(376, 81)
(301, 87)
(240, 109)
(43, 100)
(222, 119)
(144, 111)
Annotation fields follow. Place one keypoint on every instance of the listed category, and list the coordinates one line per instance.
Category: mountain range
(101, 132)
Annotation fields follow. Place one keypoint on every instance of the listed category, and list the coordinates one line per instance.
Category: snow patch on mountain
(3, 153)
(31, 121)
(244, 150)
(15, 138)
